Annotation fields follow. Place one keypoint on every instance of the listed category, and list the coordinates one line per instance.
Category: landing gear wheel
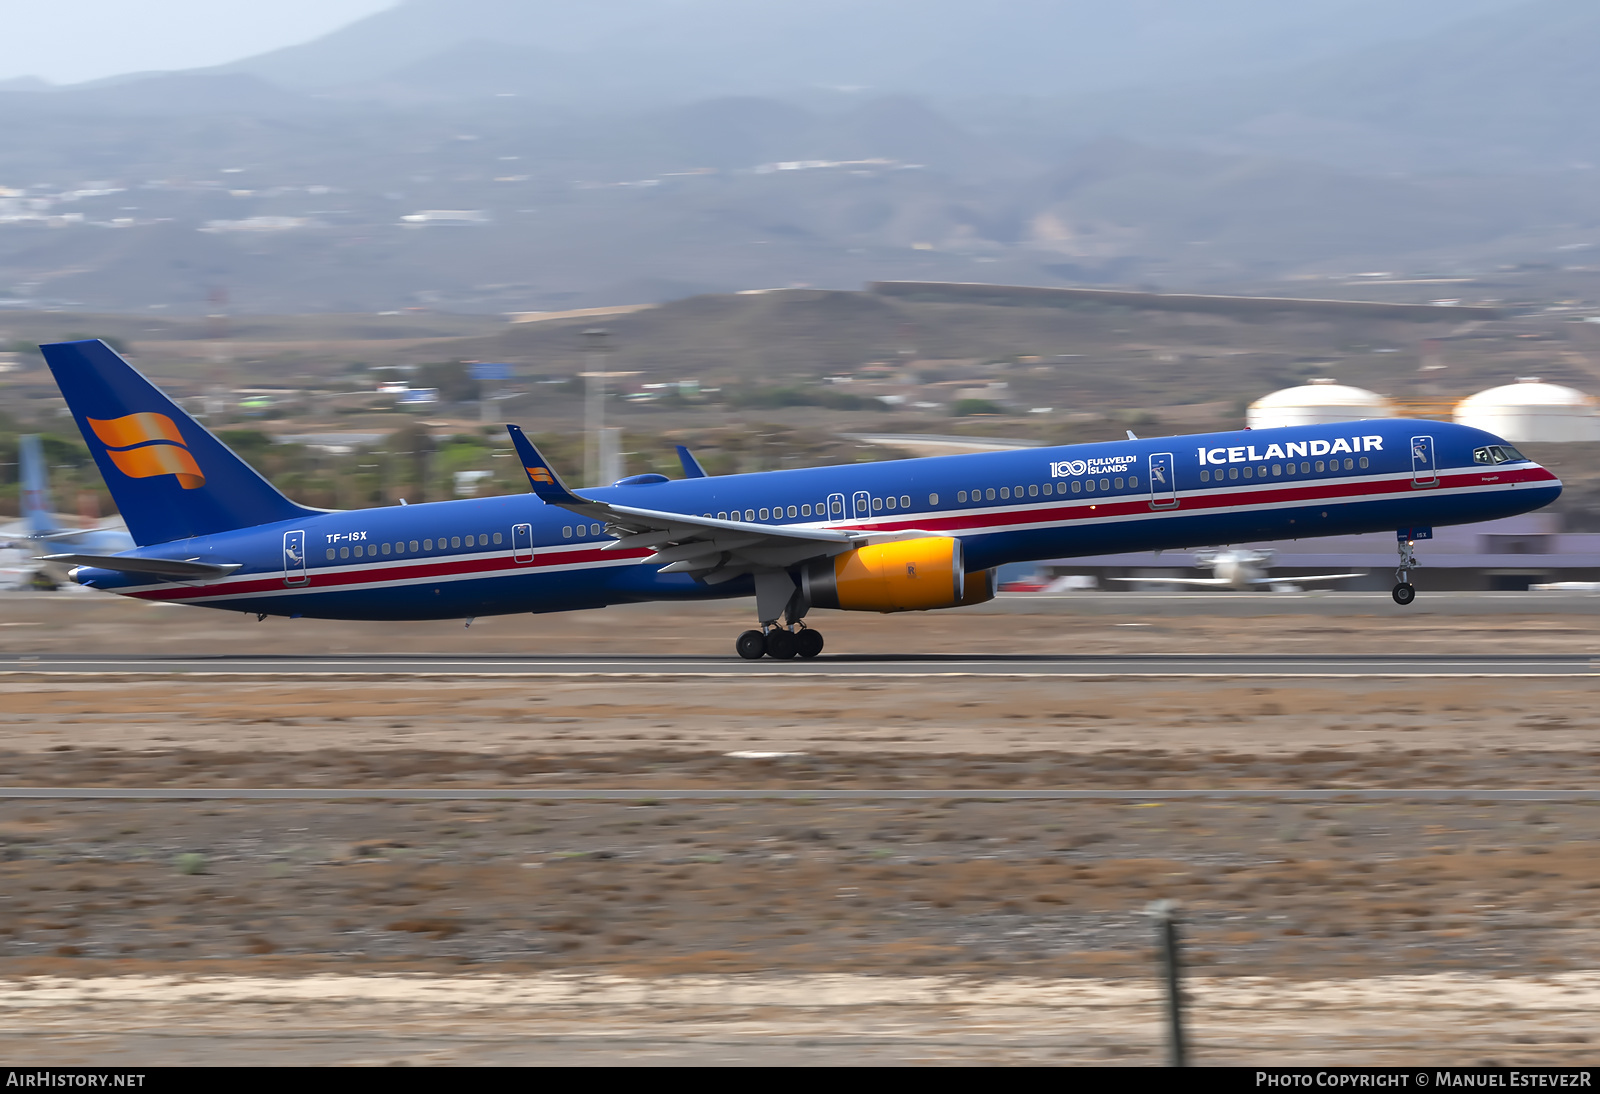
(808, 643)
(781, 645)
(1404, 593)
(752, 645)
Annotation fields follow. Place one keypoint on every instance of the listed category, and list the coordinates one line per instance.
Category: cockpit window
(1496, 453)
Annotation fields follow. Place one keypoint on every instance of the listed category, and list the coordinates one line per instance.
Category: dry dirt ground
(792, 930)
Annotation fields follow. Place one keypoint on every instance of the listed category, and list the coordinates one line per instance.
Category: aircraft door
(1424, 472)
(835, 506)
(294, 558)
(1163, 482)
(862, 504)
(522, 544)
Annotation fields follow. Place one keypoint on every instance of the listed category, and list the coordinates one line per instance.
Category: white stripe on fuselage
(1079, 520)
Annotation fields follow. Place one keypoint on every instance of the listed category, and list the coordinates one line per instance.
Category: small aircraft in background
(43, 533)
(1240, 570)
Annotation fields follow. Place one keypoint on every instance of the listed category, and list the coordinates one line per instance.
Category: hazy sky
(65, 41)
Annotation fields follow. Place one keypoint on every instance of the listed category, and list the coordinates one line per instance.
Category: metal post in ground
(1165, 914)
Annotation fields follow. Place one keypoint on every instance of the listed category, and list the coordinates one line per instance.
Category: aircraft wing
(683, 543)
(1200, 582)
(1297, 580)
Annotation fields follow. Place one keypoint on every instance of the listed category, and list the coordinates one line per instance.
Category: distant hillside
(676, 50)
(288, 203)
(1512, 90)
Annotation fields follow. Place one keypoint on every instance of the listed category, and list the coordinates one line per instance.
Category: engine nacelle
(908, 576)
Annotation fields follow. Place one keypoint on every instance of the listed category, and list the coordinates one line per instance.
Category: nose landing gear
(1404, 592)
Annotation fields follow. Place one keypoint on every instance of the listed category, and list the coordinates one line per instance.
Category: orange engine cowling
(912, 575)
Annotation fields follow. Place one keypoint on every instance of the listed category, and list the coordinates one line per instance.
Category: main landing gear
(777, 597)
(1404, 592)
(780, 643)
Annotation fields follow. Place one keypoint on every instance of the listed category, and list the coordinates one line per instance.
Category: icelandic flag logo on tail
(145, 445)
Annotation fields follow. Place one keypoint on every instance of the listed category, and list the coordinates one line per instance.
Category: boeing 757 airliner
(904, 535)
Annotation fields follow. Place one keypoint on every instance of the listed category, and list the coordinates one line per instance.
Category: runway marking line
(1103, 674)
(140, 793)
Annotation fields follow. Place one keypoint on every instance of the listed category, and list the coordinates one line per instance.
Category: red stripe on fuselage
(1298, 492)
(324, 581)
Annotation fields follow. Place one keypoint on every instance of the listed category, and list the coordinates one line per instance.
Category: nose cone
(1543, 486)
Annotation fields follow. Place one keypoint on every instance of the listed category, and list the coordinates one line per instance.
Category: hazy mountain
(1514, 90)
(299, 181)
(650, 50)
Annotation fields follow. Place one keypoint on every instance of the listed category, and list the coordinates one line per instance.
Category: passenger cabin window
(331, 552)
(961, 495)
(933, 499)
(1205, 476)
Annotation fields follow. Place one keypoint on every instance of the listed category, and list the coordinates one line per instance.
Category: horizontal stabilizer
(161, 567)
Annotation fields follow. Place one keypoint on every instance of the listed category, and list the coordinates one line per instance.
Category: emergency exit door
(522, 544)
(1424, 471)
(1163, 482)
(294, 558)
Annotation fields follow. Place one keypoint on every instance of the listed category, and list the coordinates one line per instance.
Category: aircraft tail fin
(171, 479)
(36, 488)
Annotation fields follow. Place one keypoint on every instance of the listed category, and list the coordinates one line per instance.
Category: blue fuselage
(478, 557)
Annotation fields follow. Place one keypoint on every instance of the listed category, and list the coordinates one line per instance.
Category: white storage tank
(1317, 402)
(1532, 410)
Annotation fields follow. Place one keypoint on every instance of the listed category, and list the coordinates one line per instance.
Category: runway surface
(1167, 665)
(167, 793)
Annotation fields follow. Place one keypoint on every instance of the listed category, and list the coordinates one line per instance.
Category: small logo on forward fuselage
(1104, 465)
